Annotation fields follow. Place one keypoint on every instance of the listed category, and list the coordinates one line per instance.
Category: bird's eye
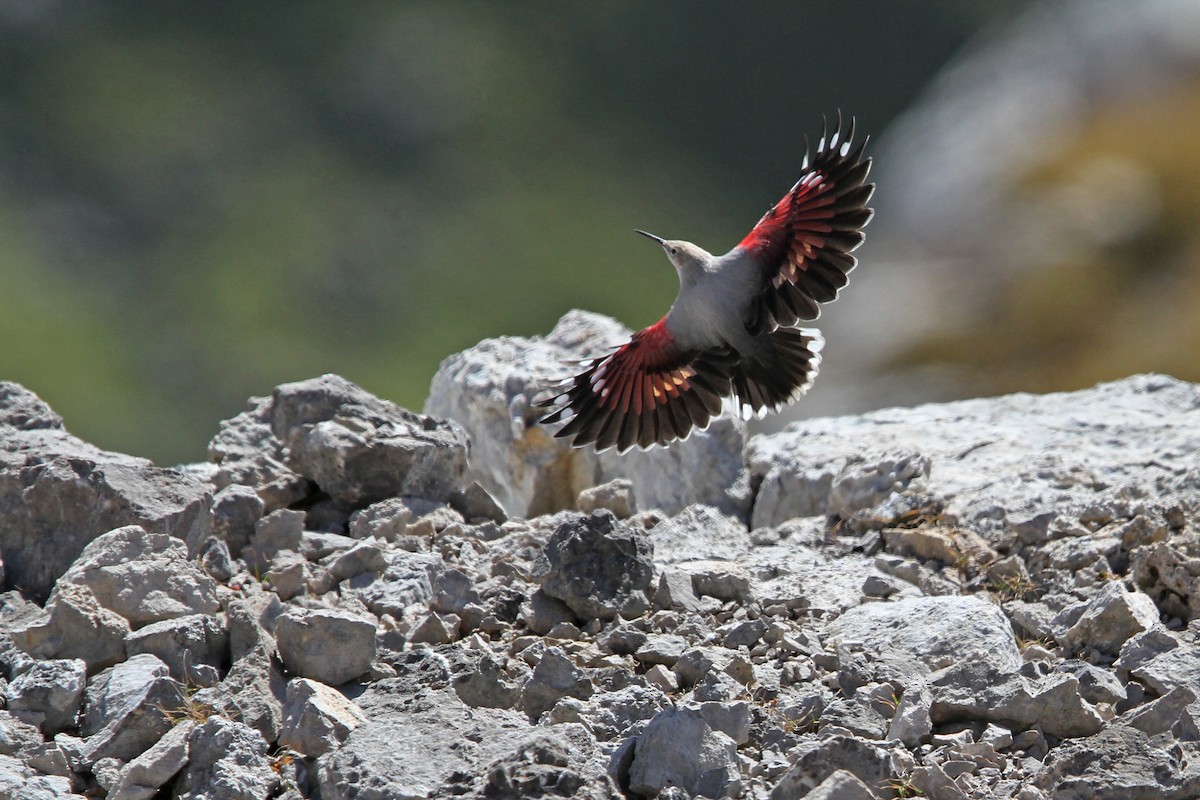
(674, 250)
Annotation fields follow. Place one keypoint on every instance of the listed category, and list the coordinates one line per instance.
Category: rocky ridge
(985, 599)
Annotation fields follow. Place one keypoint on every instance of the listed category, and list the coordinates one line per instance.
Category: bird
(733, 330)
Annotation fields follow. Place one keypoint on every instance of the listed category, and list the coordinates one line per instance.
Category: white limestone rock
(928, 633)
(490, 390)
(998, 464)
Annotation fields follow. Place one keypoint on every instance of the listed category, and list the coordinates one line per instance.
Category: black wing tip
(844, 133)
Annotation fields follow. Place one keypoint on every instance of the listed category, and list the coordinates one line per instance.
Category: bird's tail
(781, 367)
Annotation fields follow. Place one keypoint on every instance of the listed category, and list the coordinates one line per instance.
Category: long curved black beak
(658, 239)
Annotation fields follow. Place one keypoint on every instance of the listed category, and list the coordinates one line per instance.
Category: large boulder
(491, 388)
(1002, 465)
(330, 646)
(678, 748)
(145, 577)
(330, 433)
(57, 493)
(413, 742)
(921, 634)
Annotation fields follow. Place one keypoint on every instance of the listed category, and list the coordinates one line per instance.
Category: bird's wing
(645, 392)
(782, 367)
(803, 245)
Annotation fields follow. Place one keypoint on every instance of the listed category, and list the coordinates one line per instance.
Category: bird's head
(687, 257)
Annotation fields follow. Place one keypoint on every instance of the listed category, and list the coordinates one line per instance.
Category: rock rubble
(985, 599)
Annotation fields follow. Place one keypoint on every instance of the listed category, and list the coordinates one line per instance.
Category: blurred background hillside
(200, 202)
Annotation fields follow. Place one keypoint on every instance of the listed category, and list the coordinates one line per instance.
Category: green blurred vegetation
(198, 202)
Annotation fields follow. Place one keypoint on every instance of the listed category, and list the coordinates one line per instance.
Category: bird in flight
(732, 331)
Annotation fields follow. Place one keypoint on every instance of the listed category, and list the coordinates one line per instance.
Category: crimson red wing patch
(804, 242)
(645, 392)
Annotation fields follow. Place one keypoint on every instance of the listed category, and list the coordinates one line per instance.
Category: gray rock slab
(185, 644)
(996, 463)
(1096, 684)
(289, 575)
(144, 776)
(247, 453)
(1119, 763)
(661, 648)
(856, 714)
(490, 389)
(598, 566)
(213, 555)
(250, 622)
(128, 708)
(841, 785)
(1169, 571)
(17, 737)
(413, 742)
(433, 628)
(978, 690)
(54, 757)
(317, 718)
(112, 689)
(143, 576)
(1112, 616)
(554, 763)
(235, 510)
(360, 558)
(487, 683)
(815, 761)
(14, 660)
(74, 625)
(277, 532)
(226, 761)
(613, 715)
(57, 493)
(912, 724)
(407, 582)
(730, 718)
(49, 694)
(1144, 647)
(695, 662)
(1161, 714)
(676, 590)
(554, 677)
(476, 504)
(679, 748)
(1171, 670)
(541, 613)
(361, 449)
(725, 580)
(19, 782)
(329, 646)
(929, 632)
(252, 691)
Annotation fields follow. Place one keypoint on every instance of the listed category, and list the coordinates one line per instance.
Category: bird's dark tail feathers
(781, 368)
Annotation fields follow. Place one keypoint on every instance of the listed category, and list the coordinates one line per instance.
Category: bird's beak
(658, 239)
